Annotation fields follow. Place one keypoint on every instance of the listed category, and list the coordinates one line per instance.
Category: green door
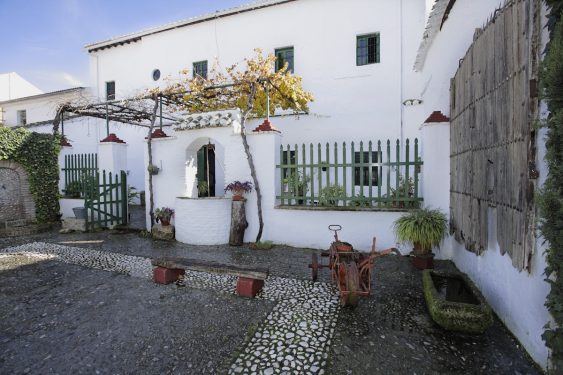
(206, 171)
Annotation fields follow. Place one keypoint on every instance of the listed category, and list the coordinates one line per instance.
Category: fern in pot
(424, 228)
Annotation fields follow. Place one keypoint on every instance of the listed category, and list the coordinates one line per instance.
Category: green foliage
(330, 195)
(360, 201)
(262, 245)
(38, 154)
(153, 169)
(424, 226)
(297, 183)
(73, 189)
(551, 198)
(202, 187)
(132, 193)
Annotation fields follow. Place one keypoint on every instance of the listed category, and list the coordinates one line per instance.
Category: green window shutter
(367, 49)
(284, 55)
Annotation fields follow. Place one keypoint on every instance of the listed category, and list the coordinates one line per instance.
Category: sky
(43, 40)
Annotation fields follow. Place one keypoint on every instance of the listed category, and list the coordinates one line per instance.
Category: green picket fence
(365, 175)
(106, 200)
(77, 168)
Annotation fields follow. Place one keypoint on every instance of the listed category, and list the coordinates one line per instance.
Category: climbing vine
(551, 199)
(38, 155)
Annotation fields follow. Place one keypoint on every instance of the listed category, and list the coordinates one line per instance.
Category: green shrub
(331, 195)
(38, 155)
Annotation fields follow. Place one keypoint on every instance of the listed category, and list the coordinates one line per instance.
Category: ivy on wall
(551, 198)
(38, 155)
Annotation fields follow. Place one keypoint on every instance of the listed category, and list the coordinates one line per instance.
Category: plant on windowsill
(73, 189)
(424, 228)
(153, 169)
(238, 189)
(164, 215)
(202, 188)
(297, 185)
(331, 195)
(399, 192)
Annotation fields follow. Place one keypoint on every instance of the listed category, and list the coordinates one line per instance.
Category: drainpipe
(401, 67)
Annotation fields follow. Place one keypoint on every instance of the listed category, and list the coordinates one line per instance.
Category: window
(284, 55)
(200, 69)
(22, 117)
(156, 74)
(110, 90)
(367, 49)
(365, 170)
(288, 157)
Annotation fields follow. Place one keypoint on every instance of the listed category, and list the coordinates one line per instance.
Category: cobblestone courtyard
(84, 303)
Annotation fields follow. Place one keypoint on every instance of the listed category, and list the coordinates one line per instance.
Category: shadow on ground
(122, 324)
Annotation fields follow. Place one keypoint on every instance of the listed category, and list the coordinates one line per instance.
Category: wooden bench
(250, 279)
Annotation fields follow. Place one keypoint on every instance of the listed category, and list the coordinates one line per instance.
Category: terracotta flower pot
(165, 222)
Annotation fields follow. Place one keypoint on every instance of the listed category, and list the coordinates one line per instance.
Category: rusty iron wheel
(314, 267)
(353, 284)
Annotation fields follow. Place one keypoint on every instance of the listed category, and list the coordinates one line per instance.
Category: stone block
(163, 275)
(74, 224)
(163, 232)
(247, 287)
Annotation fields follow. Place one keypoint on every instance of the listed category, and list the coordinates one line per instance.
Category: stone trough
(454, 302)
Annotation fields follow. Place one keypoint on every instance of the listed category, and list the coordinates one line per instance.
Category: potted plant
(424, 228)
(298, 184)
(153, 169)
(164, 215)
(73, 189)
(239, 189)
(202, 188)
(331, 195)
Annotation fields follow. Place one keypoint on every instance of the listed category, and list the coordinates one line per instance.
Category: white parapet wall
(207, 220)
(203, 221)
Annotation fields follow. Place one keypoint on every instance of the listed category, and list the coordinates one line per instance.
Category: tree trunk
(251, 161)
(149, 146)
(238, 223)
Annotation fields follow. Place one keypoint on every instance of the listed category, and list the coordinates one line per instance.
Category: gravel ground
(60, 318)
(390, 332)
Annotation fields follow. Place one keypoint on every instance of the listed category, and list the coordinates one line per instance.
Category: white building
(38, 110)
(357, 58)
(13, 86)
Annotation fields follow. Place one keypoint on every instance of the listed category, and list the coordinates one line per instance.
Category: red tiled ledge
(437, 116)
(112, 138)
(266, 126)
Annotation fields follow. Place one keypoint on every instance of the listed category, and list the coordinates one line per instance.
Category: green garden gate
(105, 200)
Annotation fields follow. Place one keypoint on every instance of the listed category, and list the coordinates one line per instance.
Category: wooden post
(238, 223)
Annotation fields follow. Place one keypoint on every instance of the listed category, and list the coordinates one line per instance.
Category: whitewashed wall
(38, 108)
(355, 102)
(207, 220)
(517, 297)
(13, 86)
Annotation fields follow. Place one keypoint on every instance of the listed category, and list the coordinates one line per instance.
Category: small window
(365, 169)
(156, 74)
(367, 49)
(200, 69)
(110, 90)
(284, 55)
(22, 117)
(288, 158)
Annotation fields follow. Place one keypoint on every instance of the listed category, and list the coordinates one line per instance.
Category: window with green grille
(364, 170)
(288, 159)
(200, 69)
(284, 55)
(367, 49)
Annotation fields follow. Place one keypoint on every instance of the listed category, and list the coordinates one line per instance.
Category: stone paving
(303, 330)
(294, 338)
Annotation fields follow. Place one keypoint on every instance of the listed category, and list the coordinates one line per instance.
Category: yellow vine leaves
(231, 89)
